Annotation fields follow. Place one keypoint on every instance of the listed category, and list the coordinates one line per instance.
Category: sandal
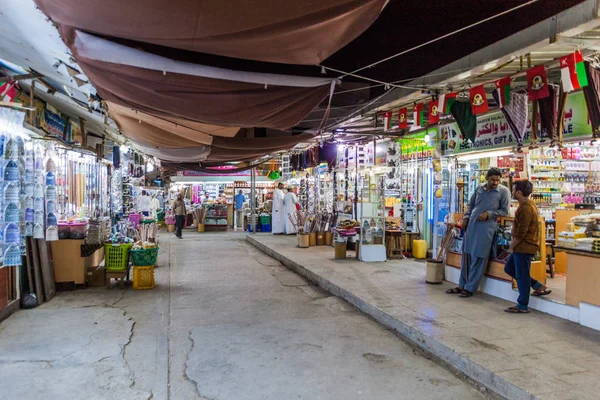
(455, 290)
(465, 294)
(516, 310)
(541, 292)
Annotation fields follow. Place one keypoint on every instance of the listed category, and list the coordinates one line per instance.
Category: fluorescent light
(149, 167)
(124, 148)
(475, 156)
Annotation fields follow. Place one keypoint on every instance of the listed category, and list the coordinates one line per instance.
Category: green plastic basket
(116, 257)
(144, 257)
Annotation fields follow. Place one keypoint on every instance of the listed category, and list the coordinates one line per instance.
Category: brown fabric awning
(206, 100)
(290, 32)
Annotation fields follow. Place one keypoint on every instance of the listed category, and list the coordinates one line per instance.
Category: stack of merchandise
(51, 199)
(11, 215)
(98, 229)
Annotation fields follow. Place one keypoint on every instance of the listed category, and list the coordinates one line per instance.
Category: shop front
(566, 193)
(211, 199)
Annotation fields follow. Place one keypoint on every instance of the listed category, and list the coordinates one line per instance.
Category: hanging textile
(562, 106)
(466, 120)
(547, 112)
(516, 113)
(592, 98)
(534, 125)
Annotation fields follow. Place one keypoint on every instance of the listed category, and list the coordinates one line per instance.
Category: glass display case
(372, 218)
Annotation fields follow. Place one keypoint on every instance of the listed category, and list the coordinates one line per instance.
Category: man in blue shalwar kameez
(490, 201)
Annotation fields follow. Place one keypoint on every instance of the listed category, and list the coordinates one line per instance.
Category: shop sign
(413, 146)
(381, 150)
(222, 171)
(493, 131)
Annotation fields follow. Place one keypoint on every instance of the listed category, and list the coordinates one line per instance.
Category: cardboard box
(96, 276)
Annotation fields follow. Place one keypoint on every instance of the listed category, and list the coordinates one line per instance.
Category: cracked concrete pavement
(224, 322)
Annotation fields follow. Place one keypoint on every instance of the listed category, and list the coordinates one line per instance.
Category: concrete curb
(460, 362)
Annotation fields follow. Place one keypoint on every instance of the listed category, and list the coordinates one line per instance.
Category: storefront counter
(583, 276)
(495, 268)
(69, 266)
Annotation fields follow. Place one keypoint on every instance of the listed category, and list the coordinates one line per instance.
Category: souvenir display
(51, 197)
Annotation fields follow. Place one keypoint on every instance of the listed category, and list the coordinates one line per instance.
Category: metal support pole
(253, 200)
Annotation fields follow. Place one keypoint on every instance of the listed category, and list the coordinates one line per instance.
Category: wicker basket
(144, 257)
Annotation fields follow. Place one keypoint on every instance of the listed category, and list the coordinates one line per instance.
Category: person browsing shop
(278, 219)
(524, 245)
(145, 204)
(180, 213)
(480, 223)
(239, 207)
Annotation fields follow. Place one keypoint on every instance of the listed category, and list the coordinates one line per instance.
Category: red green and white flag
(418, 115)
(387, 121)
(503, 91)
(7, 91)
(403, 118)
(445, 102)
(572, 72)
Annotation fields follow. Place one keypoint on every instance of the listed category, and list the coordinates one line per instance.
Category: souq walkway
(525, 356)
(224, 322)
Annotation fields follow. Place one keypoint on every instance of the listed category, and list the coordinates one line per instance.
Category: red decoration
(403, 118)
(537, 83)
(434, 113)
(478, 98)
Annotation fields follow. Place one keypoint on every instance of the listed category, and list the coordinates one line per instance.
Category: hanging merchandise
(537, 83)
(445, 101)
(502, 92)
(403, 118)
(572, 72)
(592, 98)
(478, 98)
(11, 219)
(516, 114)
(434, 116)
(51, 197)
(418, 115)
(387, 121)
(466, 120)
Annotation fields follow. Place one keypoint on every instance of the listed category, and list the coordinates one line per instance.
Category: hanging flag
(479, 103)
(503, 91)
(387, 121)
(537, 83)
(7, 91)
(434, 115)
(418, 115)
(403, 118)
(445, 102)
(572, 72)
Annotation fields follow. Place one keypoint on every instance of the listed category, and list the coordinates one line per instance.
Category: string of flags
(573, 77)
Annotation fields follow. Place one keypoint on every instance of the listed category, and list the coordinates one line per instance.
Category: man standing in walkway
(145, 204)
(278, 218)
(180, 214)
(490, 201)
(239, 208)
(524, 245)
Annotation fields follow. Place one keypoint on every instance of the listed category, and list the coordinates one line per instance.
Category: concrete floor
(224, 322)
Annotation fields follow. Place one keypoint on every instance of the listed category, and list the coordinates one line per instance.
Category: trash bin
(434, 272)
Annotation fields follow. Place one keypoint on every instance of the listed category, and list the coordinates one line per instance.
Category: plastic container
(144, 257)
(171, 228)
(265, 227)
(77, 230)
(433, 274)
(419, 249)
(116, 257)
(312, 239)
(135, 218)
(63, 230)
(200, 227)
(143, 278)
